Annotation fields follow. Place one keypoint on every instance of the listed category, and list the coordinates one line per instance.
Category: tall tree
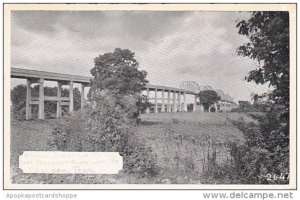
(118, 73)
(268, 33)
(269, 45)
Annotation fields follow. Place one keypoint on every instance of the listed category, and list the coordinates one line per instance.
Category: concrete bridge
(168, 104)
(178, 101)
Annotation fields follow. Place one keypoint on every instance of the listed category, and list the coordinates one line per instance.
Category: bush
(106, 126)
(264, 151)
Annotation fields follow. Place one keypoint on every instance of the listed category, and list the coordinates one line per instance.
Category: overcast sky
(171, 46)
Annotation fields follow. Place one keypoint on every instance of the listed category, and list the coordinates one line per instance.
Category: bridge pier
(195, 103)
(41, 99)
(184, 102)
(28, 99)
(71, 96)
(179, 102)
(58, 104)
(163, 101)
(155, 102)
(174, 102)
(169, 102)
(82, 96)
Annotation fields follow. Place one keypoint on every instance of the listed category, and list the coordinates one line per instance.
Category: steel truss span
(193, 87)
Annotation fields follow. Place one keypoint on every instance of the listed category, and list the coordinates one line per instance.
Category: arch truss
(193, 87)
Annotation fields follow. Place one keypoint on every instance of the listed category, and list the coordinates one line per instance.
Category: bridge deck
(52, 76)
(160, 88)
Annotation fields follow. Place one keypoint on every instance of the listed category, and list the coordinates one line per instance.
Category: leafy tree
(208, 98)
(107, 125)
(18, 99)
(119, 74)
(269, 45)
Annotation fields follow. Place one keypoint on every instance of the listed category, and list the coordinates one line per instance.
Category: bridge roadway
(168, 104)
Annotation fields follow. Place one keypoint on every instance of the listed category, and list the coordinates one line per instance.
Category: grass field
(187, 146)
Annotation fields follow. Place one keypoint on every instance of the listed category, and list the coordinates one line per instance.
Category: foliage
(119, 73)
(256, 157)
(208, 98)
(18, 99)
(106, 127)
(269, 45)
(143, 103)
(108, 124)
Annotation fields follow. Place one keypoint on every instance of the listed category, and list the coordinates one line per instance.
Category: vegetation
(107, 124)
(267, 148)
(191, 148)
(18, 99)
(181, 147)
(208, 98)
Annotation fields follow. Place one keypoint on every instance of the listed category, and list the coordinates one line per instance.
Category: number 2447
(275, 177)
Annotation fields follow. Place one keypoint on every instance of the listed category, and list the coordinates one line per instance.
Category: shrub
(263, 153)
(106, 126)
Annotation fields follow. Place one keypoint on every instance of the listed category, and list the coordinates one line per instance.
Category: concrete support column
(163, 101)
(58, 104)
(201, 106)
(148, 109)
(71, 105)
(184, 102)
(195, 103)
(28, 99)
(174, 102)
(155, 102)
(216, 107)
(41, 99)
(82, 96)
(169, 103)
(179, 101)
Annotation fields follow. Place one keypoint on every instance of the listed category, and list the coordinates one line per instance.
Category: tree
(119, 74)
(269, 45)
(208, 98)
(106, 125)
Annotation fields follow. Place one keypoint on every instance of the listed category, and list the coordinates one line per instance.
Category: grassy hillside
(188, 146)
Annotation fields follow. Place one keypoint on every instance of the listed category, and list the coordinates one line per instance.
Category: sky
(172, 46)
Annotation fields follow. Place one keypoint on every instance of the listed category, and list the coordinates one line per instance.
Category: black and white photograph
(150, 96)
